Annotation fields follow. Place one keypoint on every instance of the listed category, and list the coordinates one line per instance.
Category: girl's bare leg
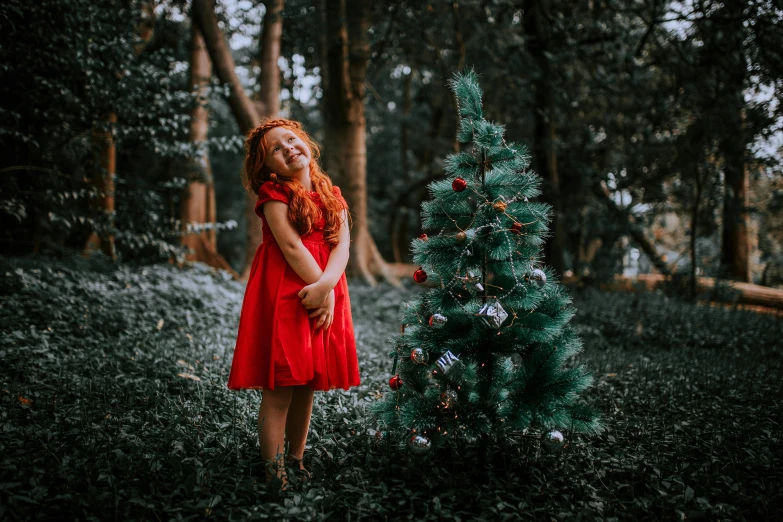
(298, 423)
(272, 426)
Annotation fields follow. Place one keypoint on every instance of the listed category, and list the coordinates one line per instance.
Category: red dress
(277, 343)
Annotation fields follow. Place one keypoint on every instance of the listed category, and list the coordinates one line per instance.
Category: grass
(114, 407)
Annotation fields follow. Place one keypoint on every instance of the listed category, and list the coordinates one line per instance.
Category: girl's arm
(338, 258)
(290, 243)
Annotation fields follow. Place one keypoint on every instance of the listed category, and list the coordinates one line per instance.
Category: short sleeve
(339, 196)
(270, 191)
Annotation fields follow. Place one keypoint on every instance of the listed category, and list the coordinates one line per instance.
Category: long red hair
(302, 211)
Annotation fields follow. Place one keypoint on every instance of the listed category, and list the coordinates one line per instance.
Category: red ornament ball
(423, 237)
(420, 275)
(395, 383)
(459, 185)
(516, 228)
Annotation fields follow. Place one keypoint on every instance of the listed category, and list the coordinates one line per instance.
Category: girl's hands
(325, 313)
(314, 295)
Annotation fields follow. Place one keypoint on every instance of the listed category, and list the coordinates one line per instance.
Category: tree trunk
(347, 53)
(735, 248)
(242, 106)
(399, 219)
(198, 205)
(545, 142)
(269, 104)
(102, 181)
(694, 229)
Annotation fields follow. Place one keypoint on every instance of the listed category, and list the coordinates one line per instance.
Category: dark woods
(655, 125)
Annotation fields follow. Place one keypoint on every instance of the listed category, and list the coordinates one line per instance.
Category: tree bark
(242, 106)
(735, 248)
(198, 205)
(545, 142)
(269, 105)
(345, 150)
(102, 180)
(694, 229)
(399, 228)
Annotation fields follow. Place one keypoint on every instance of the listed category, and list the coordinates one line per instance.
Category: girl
(295, 330)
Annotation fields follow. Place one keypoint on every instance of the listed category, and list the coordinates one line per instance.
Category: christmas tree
(483, 353)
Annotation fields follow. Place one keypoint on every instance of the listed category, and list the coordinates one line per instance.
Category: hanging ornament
(539, 276)
(420, 275)
(459, 185)
(493, 314)
(438, 321)
(395, 383)
(516, 228)
(418, 356)
(461, 236)
(448, 398)
(552, 442)
(447, 361)
(423, 237)
(419, 445)
(500, 206)
(474, 279)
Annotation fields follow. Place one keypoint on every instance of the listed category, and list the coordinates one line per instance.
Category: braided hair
(302, 210)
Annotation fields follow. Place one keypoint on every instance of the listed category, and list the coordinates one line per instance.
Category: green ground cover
(114, 407)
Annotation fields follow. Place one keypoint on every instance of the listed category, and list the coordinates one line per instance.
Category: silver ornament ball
(418, 356)
(448, 398)
(552, 442)
(419, 445)
(538, 276)
(438, 320)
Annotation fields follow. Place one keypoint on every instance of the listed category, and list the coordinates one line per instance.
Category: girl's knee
(279, 399)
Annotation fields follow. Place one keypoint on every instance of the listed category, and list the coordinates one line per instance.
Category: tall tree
(198, 205)
(345, 150)
(268, 105)
(545, 140)
(242, 107)
(730, 40)
(245, 110)
(105, 167)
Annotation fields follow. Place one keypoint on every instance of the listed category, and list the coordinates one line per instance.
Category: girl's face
(286, 154)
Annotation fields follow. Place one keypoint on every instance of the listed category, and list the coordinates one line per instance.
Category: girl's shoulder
(269, 190)
(339, 196)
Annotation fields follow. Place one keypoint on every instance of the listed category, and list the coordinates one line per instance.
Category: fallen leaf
(160, 324)
(25, 400)
(188, 376)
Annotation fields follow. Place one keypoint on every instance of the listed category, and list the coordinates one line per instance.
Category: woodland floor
(114, 407)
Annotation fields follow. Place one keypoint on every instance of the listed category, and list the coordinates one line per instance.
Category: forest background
(657, 129)
(656, 125)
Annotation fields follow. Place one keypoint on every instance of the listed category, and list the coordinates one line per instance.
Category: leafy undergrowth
(114, 406)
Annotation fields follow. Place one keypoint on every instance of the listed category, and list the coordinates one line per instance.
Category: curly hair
(302, 211)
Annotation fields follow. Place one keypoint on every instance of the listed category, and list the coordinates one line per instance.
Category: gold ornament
(500, 206)
(461, 237)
